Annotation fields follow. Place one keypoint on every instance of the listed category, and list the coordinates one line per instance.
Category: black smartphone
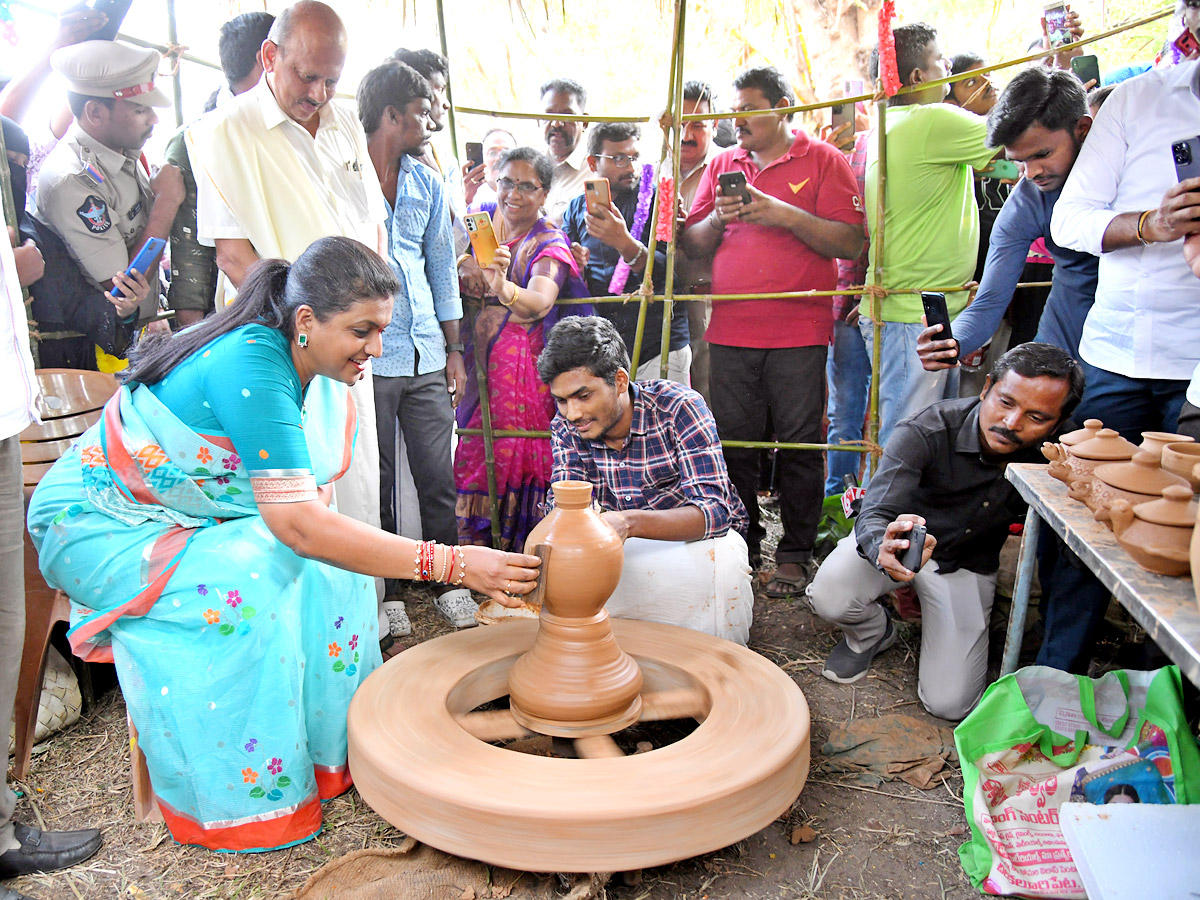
(115, 10)
(1086, 68)
(1187, 158)
(733, 184)
(936, 313)
(474, 154)
(910, 556)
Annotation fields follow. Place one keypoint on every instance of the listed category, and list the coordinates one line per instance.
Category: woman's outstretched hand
(505, 577)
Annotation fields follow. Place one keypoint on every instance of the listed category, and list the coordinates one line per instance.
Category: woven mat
(414, 871)
(60, 701)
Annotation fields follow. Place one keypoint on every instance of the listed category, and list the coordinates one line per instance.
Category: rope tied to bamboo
(175, 53)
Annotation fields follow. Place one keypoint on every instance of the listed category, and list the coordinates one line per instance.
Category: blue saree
(237, 658)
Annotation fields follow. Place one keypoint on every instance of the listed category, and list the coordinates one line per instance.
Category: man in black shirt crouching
(944, 468)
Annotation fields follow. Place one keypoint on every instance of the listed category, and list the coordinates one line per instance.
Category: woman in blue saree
(191, 529)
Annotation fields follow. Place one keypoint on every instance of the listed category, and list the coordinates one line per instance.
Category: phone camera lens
(1182, 152)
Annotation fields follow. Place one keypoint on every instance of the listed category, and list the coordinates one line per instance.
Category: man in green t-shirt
(931, 223)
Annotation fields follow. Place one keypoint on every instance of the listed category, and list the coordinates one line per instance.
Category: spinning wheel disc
(420, 758)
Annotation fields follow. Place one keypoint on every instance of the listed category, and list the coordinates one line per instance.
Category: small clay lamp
(1158, 533)
(1155, 441)
(575, 681)
(1135, 481)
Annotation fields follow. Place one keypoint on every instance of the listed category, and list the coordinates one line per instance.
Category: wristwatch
(456, 347)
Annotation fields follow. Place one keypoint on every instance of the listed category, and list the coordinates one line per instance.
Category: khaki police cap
(111, 69)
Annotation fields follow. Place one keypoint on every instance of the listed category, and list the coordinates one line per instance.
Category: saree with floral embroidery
(517, 399)
(237, 658)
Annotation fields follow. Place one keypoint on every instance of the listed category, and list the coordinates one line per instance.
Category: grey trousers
(421, 405)
(952, 669)
(12, 608)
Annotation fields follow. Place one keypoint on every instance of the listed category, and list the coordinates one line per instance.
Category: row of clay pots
(1143, 493)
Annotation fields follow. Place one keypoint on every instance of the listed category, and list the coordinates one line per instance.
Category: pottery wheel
(432, 764)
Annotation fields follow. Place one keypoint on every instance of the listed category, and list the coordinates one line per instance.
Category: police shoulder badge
(94, 214)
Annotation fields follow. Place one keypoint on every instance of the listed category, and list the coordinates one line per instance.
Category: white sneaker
(397, 616)
(457, 608)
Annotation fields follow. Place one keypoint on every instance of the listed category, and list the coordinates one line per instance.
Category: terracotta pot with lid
(1106, 447)
(1155, 441)
(1091, 428)
(1136, 481)
(1158, 534)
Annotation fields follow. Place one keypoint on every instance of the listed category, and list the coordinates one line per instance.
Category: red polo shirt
(814, 176)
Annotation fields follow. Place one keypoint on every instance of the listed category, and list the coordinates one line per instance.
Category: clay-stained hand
(894, 542)
(505, 577)
(135, 288)
(618, 522)
(936, 354)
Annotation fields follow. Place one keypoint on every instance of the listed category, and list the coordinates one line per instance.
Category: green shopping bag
(1040, 737)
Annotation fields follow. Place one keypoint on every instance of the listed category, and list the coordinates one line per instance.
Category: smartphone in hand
(733, 184)
(474, 154)
(936, 313)
(597, 195)
(910, 556)
(1186, 155)
(483, 237)
(1086, 68)
(842, 114)
(143, 261)
(1056, 23)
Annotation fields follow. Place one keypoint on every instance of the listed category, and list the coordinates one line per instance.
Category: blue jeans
(848, 374)
(1074, 600)
(904, 387)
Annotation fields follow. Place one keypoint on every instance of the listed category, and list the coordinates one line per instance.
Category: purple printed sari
(516, 397)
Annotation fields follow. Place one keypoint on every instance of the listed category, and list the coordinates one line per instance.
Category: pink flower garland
(889, 72)
(640, 218)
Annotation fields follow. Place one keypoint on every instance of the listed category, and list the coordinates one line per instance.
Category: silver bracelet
(637, 257)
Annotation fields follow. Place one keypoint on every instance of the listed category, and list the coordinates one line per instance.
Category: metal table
(1164, 606)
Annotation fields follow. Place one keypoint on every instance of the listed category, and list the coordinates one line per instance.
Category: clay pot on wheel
(1154, 441)
(1158, 534)
(1181, 459)
(575, 680)
(1136, 481)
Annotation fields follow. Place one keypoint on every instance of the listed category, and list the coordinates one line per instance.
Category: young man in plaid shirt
(651, 452)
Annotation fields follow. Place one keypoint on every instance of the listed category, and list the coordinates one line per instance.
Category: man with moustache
(944, 469)
(768, 355)
(279, 167)
(93, 192)
(605, 239)
(562, 96)
(651, 451)
(421, 369)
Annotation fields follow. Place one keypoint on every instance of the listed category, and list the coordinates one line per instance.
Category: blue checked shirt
(672, 458)
(421, 251)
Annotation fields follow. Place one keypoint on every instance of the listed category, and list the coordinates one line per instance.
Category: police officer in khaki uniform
(92, 190)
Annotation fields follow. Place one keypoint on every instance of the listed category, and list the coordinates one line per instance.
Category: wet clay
(575, 680)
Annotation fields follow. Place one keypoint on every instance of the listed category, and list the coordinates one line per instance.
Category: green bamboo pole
(752, 445)
(853, 290)
(876, 302)
(675, 104)
(176, 80)
(445, 41)
(558, 117)
(10, 217)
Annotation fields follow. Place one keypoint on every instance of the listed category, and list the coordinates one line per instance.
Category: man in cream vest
(281, 166)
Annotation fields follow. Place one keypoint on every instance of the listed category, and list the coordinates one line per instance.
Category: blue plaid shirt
(421, 252)
(672, 458)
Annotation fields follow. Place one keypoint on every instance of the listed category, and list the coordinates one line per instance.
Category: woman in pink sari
(533, 268)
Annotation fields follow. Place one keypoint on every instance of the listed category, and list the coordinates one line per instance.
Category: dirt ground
(894, 841)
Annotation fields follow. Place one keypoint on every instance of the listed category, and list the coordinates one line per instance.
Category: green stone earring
(302, 340)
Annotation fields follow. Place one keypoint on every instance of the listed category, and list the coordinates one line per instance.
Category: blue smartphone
(143, 260)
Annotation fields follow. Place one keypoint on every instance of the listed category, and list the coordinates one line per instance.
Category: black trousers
(421, 406)
(747, 385)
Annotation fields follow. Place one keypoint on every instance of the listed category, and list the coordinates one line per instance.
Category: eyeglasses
(620, 160)
(524, 187)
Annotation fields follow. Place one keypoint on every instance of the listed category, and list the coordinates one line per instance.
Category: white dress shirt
(18, 398)
(569, 176)
(1144, 323)
(353, 193)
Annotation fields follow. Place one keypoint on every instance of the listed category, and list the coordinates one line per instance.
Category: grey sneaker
(457, 608)
(846, 666)
(397, 616)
